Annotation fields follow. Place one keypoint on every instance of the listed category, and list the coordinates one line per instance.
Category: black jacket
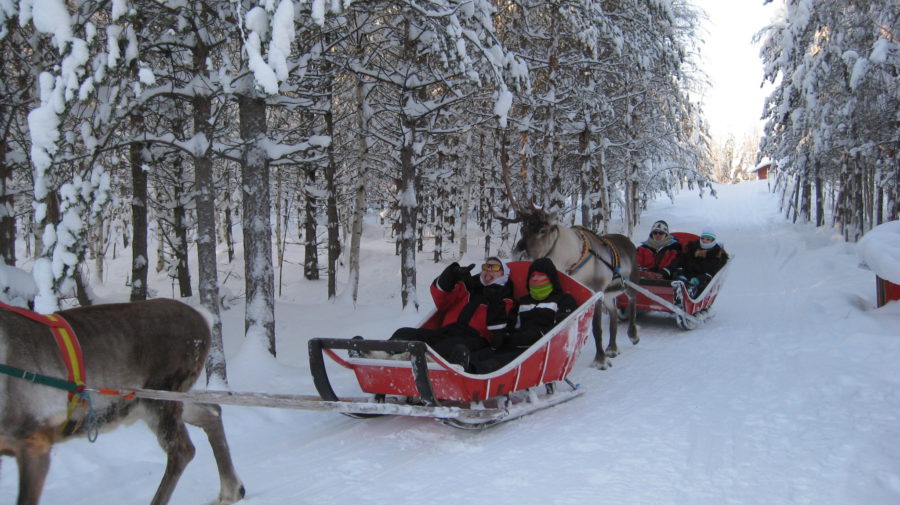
(705, 265)
(537, 317)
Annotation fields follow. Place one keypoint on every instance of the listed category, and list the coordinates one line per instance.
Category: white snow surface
(789, 395)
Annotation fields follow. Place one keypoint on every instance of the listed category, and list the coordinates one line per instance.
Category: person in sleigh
(472, 308)
(701, 260)
(545, 305)
(656, 255)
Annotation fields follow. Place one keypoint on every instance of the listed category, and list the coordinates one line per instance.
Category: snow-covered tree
(831, 119)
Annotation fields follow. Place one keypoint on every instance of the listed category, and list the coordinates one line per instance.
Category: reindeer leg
(209, 417)
(632, 318)
(612, 350)
(165, 420)
(33, 460)
(600, 360)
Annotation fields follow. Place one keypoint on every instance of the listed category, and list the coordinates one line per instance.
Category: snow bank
(879, 250)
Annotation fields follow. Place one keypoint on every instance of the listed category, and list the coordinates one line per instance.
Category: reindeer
(158, 344)
(599, 262)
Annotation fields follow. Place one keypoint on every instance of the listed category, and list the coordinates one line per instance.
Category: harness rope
(587, 252)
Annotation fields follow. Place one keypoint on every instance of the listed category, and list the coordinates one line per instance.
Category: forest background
(294, 119)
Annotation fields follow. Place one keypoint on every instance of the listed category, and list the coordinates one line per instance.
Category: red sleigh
(427, 385)
(657, 294)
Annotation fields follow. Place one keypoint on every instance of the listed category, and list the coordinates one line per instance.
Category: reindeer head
(539, 229)
(539, 233)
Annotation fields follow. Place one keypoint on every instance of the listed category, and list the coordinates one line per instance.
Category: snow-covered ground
(790, 395)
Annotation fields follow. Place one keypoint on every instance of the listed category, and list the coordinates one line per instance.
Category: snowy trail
(789, 395)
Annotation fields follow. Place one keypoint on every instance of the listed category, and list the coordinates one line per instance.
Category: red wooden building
(762, 171)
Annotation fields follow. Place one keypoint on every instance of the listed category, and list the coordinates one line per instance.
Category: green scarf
(540, 290)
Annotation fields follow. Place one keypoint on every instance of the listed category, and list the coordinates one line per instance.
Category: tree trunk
(359, 191)
(7, 210)
(406, 192)
(331, 212)
(805, 199)
(229, 234)
(820, 204)
(466, 196)
(139, 256)
(310, 242)
(279, 246)
(259, 314)
(180, 245)
(205, 202)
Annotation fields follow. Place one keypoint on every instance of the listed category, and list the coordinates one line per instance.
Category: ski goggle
(491, 267)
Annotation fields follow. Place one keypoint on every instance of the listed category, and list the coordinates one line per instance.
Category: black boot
(355, 353)
(459, 355)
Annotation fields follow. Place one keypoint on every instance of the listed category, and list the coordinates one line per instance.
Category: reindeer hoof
(612, 352)
(601, 364)
(231, 496)
(635, 339)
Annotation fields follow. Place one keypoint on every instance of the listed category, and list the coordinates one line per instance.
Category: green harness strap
(37, 378)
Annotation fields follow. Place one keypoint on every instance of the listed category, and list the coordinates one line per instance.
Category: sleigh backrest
(518, 274)
(684, 238)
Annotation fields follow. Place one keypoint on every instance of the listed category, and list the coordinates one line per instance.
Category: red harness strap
(65, 340)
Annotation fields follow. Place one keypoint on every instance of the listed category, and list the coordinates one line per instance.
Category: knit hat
(546, 266)
(708, 232)
(661, 226)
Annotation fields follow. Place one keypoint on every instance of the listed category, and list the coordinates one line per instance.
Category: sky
(788, 395)
(734, 100)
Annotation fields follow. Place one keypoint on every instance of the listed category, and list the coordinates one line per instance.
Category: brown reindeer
(599, 262)
(158, 344)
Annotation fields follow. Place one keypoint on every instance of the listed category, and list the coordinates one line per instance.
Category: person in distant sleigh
(545, 305)
(656, 254)
(472, 308)
(701, 260)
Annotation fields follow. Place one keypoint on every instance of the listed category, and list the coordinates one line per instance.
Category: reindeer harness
(69, 349)
(587, 252)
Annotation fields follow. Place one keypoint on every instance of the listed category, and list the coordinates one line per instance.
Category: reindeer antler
(504, 164)
(508, 220)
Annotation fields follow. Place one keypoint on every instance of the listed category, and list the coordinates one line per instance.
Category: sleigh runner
(674, 296)
(534, 380)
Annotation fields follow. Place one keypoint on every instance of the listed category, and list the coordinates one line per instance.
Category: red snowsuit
(659, 260)
(483, 308)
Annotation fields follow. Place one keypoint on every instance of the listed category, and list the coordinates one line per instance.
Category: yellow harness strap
(586, 250)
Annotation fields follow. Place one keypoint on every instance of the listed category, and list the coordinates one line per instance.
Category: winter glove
(448, 277)
(464, 274)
